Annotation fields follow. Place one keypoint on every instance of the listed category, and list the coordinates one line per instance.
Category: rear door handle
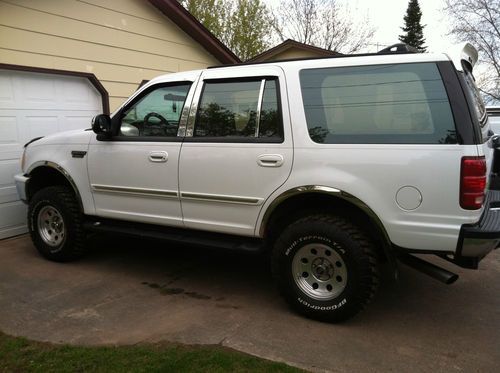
(270, 160)
(158, 156)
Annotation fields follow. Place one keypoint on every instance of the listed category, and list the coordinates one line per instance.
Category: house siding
(122, 42)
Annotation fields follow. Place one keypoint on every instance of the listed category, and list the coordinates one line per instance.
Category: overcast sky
(387, 17)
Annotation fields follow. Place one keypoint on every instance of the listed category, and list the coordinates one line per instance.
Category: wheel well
(45, 176)
(303, 204)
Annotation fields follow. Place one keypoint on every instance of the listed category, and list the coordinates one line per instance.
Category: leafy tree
(478, 22)
(213, 14)
(413, 29)
(245, 26)
(251, 27)
(322, 23)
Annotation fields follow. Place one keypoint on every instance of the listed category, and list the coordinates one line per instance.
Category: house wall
(122, 42)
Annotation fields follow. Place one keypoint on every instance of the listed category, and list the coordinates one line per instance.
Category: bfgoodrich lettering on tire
(55, 224)
(326, 267)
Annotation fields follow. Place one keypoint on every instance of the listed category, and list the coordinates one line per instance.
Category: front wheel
(326, 267)
(55, 224)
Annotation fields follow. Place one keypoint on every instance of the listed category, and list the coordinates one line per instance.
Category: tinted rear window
(477, 100)
(382, 104)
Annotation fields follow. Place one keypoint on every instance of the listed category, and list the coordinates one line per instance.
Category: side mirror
(101, 124)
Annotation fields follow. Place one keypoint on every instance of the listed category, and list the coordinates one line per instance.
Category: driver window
(157, 113)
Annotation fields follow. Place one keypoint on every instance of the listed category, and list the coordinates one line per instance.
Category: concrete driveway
(128, 291)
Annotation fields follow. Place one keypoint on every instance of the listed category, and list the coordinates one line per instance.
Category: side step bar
(429, 269)
(199, 238)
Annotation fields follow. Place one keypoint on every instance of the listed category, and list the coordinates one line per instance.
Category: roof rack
(398, 48)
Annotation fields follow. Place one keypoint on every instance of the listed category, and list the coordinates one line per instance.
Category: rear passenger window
(239, 110)
(381, 104)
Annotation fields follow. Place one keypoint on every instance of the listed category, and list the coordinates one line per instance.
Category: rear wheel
(55, 224)
(326, 267)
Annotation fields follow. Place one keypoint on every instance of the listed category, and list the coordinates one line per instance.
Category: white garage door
(32, 105)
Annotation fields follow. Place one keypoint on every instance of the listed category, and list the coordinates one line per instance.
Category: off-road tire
(356, 257)
(63, 200)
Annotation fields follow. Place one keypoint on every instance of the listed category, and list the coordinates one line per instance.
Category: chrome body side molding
(161, 193)
(221, 198)
(143, 192)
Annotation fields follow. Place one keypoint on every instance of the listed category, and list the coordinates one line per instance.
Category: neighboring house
(291, 49)
(62, 62)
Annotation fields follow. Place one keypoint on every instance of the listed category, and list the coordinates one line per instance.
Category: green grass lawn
(22, 355)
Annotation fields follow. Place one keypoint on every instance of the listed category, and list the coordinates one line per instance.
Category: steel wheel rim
(51, 227)
(319, 271)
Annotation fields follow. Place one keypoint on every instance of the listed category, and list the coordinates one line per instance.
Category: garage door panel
(8, 168)
(74, 92)
(6, 88)
(32, 105)
(13, 154)
(12, 219)
(9, 132)
(50, 123)
(8, 194)
(41, 125)
(34, 90)
(76, 122)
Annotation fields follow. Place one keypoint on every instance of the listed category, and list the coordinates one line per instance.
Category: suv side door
(134, 174)
(237, 150)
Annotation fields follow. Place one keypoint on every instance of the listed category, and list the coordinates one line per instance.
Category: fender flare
(62, 171)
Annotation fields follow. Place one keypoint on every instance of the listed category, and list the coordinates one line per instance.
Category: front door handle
(158, 156)
(270, 160)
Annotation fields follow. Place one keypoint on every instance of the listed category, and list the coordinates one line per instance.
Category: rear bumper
(477, 240)
(21, 182)
(474, 247)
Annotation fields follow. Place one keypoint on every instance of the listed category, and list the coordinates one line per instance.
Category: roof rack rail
(399, 48)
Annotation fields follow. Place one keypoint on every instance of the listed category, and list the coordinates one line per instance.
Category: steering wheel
(156, 115)
(163, 122)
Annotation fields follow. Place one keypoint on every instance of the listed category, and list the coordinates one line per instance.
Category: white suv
(332, 164)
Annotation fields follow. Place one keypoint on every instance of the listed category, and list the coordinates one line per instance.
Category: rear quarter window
(475, 95)
(386, 104)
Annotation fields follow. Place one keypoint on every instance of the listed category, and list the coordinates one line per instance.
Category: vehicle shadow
(162, 264)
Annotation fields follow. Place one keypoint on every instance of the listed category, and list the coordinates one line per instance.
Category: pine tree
(413, 29)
